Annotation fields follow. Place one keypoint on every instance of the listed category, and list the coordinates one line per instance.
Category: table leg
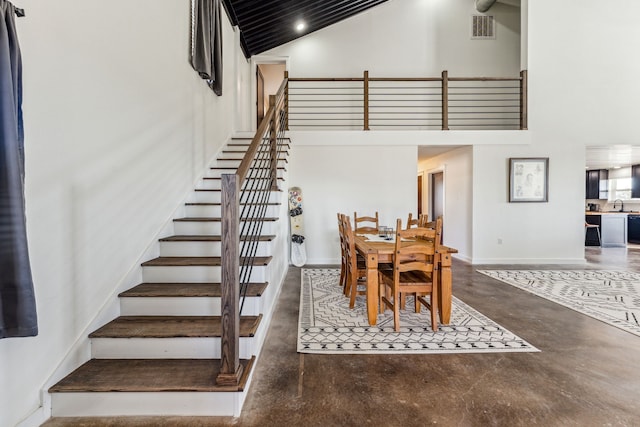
(444, 293)
(372, 288)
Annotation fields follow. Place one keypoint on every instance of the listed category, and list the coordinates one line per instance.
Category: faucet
(621, 205)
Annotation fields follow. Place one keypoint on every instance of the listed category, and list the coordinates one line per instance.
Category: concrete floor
(587, 373)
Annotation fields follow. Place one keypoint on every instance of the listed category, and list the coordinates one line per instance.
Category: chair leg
(354, 291)
(396, 310)
(599, 239)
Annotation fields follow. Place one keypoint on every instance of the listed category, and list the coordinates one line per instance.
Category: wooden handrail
(245, 164)
(404, 79)
(483, 79)
(325, 79)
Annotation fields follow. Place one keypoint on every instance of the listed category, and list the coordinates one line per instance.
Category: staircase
(162, 354)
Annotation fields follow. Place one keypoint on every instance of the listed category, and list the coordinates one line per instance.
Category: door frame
(429, 199)
(261, 59)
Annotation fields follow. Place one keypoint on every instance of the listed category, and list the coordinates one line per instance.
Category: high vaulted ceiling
(265, 24)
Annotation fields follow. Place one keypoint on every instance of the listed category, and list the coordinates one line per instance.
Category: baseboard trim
(528, 261)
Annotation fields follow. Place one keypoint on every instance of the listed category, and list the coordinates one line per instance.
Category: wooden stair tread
(171, 290)
(232, 168)
(149, 375)
(217, 190)
(179, 261)
(172, 327)
(217, 178)
(241, 204)
(212, 238)
(218, 219)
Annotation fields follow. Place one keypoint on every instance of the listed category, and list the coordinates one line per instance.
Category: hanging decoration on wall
(17, 299)
(205, 54)
(528, 179)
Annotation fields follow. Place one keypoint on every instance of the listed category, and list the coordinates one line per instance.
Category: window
(620, 188)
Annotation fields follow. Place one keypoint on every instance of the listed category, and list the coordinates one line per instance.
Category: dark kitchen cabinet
(635, 182)
(597, 184)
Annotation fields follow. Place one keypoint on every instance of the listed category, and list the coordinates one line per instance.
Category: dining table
(377, 251)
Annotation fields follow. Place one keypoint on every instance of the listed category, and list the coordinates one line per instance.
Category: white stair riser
(195, 228)
(204, 249)
(214, 211)
(165, 348)
(182, 306)
(156, 403)
(216, 196)
(218, 172)
(194, 274)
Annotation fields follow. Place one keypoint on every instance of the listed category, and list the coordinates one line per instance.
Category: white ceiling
(607, 157)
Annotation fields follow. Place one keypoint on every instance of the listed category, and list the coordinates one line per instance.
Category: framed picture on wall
(529, 179)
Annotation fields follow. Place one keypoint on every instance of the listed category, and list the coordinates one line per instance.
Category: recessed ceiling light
(300, 26)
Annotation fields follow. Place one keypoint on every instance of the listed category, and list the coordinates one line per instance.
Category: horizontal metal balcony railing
(421, 103)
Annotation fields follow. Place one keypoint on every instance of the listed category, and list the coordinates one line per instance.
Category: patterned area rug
(327, 325)
(612, 297)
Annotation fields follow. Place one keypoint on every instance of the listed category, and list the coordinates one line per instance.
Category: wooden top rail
(328, 79)
(405, 79)
(485, 79)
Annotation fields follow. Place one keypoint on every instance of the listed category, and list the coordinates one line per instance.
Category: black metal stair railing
(245, 201)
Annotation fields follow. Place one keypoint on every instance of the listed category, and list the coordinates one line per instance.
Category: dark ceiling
(265, 24)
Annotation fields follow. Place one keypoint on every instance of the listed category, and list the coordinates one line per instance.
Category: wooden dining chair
(365, 224)
(437, 226)
(343, 252)
(415, 271)
(411, 221)
(356, 270)
(420, 221)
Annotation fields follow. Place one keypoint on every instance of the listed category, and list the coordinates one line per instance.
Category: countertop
(611, 212)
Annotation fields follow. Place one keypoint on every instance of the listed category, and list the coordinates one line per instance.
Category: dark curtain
(17, 300)
(206, 42)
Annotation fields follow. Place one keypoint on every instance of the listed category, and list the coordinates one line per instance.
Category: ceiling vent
(483, 27)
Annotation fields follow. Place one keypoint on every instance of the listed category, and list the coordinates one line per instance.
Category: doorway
(437, 194)
(259, 96)
(269, 77)
(419, 195)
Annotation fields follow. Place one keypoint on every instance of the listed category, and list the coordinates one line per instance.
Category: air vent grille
(483, 27)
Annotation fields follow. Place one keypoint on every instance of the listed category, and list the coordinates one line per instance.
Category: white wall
(405, 38)
(118, 127)
(347, 178)
(457, 167)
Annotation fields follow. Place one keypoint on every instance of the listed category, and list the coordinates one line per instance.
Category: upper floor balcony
(442, 103)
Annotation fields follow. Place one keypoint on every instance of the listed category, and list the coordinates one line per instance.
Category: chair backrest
(341, 234)
(437, 226)
(417, 222)
(411, 221)
(415, 250)
(365, 224)
(350, 248)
